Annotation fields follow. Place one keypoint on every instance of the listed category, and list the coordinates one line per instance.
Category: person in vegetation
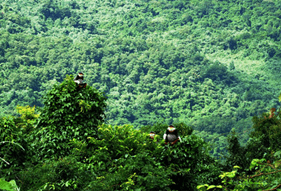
(272, 110)
(171, 135)
(152, 134)
(153, 137)
(79, 80)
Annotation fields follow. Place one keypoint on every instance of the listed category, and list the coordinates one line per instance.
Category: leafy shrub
(12, 144)
(63, 174)
(191, 161)
(15, 147)
(119, 140)
(218, 72)
(8, 186)
(128, 158)
(51, 9)
(263, 142)
(123, 158)
(267, 130)
(68, 114)
(265, 177)
(138, 172)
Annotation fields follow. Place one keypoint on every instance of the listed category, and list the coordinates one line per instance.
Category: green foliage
(266, 177)
(218, 72)
(129, 151)
(51, 9)
(136, 172)
(263, 143)
(27, 119)
(124, 158)
(27, 113)
(160, 128)
(8, 186)
(13, 146)
(154, 59)
(267, 130)
(191, 161)
(121, 157)
(69, 113)
(237, 154)
(44, 41)
(119, 140)
(177, 73)
(63, 174)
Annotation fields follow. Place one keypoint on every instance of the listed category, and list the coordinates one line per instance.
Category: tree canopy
(211, 65)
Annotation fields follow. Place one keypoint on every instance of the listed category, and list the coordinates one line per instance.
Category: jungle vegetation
(211, 66)
(69, 147)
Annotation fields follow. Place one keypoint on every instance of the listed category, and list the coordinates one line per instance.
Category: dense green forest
(211, 65)
(69, 147)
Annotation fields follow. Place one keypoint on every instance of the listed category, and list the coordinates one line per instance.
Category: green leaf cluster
(8, 186)
(13, 147)
(69, 113)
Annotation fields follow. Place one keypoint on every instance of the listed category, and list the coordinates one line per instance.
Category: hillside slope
(210, 64)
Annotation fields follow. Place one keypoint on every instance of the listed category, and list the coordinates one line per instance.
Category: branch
(273, 188)
(264, 174)
(12, 143)
(5, 161)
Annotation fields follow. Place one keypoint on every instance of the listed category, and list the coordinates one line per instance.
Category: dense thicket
(69, 113)
(68, 147)
(64, 157)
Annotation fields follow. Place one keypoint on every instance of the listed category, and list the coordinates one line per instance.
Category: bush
(12, 144)
(215, 71)
(51, 10)
(128, 159)
(63, 174)
(68, 114)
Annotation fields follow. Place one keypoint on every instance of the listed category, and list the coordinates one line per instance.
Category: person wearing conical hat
(171, 135)
(79, 80)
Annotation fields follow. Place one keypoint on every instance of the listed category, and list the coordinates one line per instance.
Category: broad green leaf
(6, 185)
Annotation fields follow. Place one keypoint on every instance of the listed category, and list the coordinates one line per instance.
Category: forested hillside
(69, 147)
(211, 68)
(210, 64)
